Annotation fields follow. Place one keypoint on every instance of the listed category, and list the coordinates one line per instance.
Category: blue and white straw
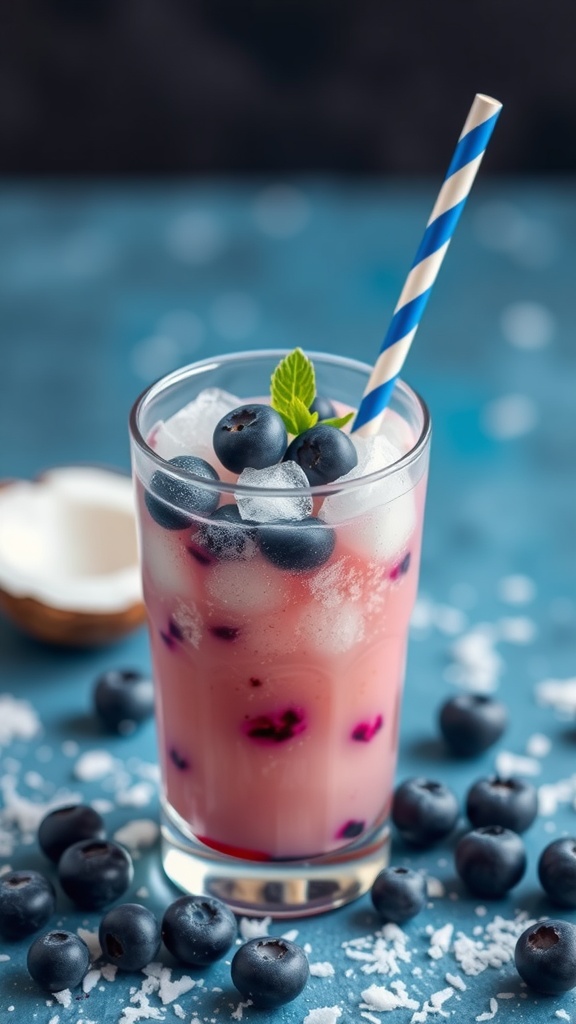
(460, 176)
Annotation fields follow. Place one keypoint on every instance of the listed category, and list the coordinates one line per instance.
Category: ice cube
(381, 515)
(332, 631)
(261, 508)
(242, 587)
(190, 430)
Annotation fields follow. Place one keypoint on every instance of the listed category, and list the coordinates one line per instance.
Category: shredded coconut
(516, 589)
(322, 969)
(18, 720)
(440, 941)
(508, 764)
(493, 946)
(489, 1015)
(254, 928)
(94, 765)
(538, 745)
(455, 981)
(138, 834)
(559, 694)
(562, 1015)
(64, 997)
(435, 888)
(92, 941)
(383, 999)
(517, 630)
(477, 665)
(239, 1011)
(380, 953)
(323, 1015)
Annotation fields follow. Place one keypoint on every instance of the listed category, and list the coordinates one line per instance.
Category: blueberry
(276, 727)
(123, 699)
(490, 860)
(198, 930)
(94, 873)
(424, 811)
(58, 960)
(61, 828)
(27, 901)
(129, 936)
(298, 545)
(324, 408)
(470, 723)
(545, 957)
(226, 535)
(557, 871)
(251, 435)
(172, 502)
(324, 453)
(398, 894)
(512, 803)
(270, 972)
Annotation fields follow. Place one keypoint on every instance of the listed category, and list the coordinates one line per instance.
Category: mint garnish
(292, 391)
(338, 421)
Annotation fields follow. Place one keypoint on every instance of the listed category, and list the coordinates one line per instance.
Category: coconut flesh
(68, 555)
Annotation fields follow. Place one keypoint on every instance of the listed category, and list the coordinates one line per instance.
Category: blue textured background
(102, 289)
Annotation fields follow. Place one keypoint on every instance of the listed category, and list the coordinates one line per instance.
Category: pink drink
(279, 691)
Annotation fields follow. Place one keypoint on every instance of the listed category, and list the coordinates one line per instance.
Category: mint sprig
(338, 421)
(292, 391)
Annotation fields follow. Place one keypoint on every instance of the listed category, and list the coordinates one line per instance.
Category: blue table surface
(103, 289)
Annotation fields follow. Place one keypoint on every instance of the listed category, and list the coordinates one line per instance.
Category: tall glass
(278, 687)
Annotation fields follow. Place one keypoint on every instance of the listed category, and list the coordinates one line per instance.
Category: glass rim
(317, 490)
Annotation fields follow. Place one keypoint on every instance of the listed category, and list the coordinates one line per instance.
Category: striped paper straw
(459, 178)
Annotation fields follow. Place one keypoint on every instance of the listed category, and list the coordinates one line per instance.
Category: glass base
(294, 888)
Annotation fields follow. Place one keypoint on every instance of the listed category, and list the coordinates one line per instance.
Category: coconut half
(69, 570)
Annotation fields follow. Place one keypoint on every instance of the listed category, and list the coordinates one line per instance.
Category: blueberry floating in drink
(226, 535)
(324, 407)
(251, 435)
(297, 546)
(324, 453)
(173, 502)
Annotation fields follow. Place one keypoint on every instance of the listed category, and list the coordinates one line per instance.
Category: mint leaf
(301, 417)
(338, 421)
(292, 391)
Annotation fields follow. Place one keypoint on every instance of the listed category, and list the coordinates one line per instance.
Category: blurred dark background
(170, 87)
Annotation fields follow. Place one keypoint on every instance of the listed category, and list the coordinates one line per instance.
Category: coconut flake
(238, 1013)
(559, 694)
(254, 928)
(538, 745)
(94, 765)
(509, 764)
(138, 834)
(64, 997)
(323, 1015)
(322, 969)
(18, 720)
(489, 1015)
